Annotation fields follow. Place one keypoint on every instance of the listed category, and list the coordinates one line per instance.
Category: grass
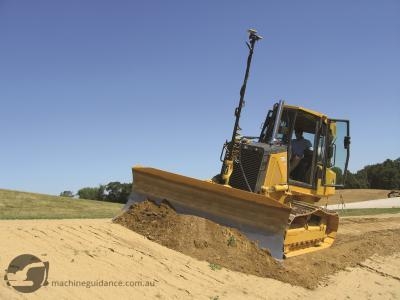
(22, 205)
(367, 211)
(231, 241)
(214, 266)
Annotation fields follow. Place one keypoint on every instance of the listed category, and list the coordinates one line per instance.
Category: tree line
(112, 192)
(384, 175)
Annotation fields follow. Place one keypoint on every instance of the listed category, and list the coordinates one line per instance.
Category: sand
(90, 250)
(206, 240)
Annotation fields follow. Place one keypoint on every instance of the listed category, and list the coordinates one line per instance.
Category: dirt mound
(227, 247)
(199, 238)
(348, 251)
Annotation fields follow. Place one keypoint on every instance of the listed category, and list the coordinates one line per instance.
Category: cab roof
(306, 110)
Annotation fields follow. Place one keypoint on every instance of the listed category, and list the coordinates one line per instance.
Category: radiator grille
(251, 160)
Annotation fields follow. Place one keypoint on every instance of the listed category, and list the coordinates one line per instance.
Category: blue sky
(90, 88)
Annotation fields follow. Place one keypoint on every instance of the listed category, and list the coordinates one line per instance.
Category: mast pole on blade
(232, 148)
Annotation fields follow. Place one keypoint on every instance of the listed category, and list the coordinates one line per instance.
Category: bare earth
(354, 195)
(363, 264)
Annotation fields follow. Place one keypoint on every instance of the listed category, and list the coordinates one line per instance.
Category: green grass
(214, 266)
(22, 205)
(367, 211)
(231, 242)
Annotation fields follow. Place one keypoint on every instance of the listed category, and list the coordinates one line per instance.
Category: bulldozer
(261, 190)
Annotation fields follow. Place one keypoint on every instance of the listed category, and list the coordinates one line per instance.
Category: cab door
(338, 152)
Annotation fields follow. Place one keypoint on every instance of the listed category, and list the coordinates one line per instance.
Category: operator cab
(324, 144)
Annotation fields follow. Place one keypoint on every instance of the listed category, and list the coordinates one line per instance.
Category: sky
(89, 89)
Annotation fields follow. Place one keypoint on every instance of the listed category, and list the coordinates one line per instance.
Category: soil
(226, 247)
(199, 238)
(313, 269)
(91, 250)
(354, 195)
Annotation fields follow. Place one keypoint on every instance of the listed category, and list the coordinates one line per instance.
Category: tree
(355, 181)
(384, 175)
(339, 175)
(112, 192)
(92, 193)
(117, 192)
(69, 194)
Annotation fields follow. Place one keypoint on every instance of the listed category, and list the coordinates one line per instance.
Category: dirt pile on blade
(199, 238)
(227, 247)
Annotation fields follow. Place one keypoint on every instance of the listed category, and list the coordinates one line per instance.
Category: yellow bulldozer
(264, 189)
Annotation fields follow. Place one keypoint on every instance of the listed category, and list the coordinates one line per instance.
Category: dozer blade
(259, 217)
